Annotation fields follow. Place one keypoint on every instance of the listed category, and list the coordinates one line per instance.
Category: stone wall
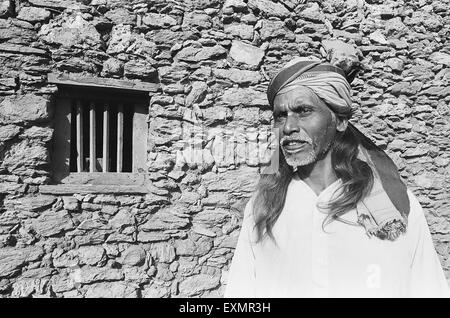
(208, 127)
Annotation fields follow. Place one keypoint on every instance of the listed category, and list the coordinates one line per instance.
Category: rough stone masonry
(212, 59)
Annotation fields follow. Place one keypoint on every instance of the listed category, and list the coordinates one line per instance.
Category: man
(335, 220)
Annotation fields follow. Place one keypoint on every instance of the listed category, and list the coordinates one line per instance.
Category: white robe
(340, 262)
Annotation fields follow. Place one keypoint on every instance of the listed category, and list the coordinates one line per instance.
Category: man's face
(307, 126)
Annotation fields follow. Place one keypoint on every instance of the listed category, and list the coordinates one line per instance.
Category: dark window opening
(117, 156)
(99, 130)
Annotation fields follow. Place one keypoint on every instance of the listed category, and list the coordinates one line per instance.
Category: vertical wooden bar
(140, 129)
(79, 136)
(62, 139)
(119, 138)
(92, 140)
(106, 137)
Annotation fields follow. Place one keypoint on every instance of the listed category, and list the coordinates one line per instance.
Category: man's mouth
(293, 146)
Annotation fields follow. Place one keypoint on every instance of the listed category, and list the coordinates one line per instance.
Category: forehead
(296, 97)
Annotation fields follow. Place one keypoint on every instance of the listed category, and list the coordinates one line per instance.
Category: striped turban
(326, 80)
(384, 211)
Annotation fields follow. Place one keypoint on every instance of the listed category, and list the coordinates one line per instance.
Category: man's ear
(341, 123)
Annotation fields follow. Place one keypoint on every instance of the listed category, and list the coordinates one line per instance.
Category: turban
(327, 81)
(385, 210)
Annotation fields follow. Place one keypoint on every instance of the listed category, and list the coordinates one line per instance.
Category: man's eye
(303, 110)
(280, 115)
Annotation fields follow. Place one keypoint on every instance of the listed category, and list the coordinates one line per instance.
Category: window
(100, 133)
(101, 138)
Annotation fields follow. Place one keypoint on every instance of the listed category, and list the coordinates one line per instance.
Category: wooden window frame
(97, 90)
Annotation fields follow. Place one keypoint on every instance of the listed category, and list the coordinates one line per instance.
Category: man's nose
(291, 125)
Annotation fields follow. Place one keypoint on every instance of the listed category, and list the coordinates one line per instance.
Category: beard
(302, 158)
(307, 156)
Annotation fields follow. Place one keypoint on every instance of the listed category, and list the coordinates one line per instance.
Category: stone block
(28, 108)
(52, 223)
(33, 14)
(247, 54)
(13, 258)
(194, 285)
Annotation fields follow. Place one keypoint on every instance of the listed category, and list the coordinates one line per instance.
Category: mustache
(298, 137)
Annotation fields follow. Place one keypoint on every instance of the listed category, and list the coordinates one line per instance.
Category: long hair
(356, 176)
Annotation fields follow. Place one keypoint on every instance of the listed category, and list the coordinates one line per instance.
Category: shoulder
(416, 217)
(415, 208)
(247, 215)
(249, 220)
